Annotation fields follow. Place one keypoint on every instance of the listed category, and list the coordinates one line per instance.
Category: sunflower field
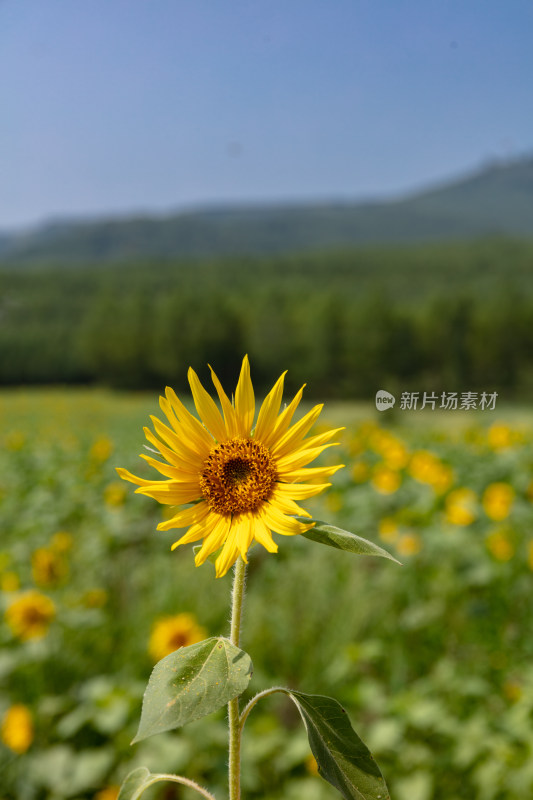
(433, 659)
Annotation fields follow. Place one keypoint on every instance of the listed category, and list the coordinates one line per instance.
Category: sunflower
(29, 615)
(243, 482)
(170, 633)
(16, 730)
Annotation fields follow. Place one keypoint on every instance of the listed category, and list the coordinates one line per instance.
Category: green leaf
(342, 758)
(192, 682)
(328, 534)
(136, 780)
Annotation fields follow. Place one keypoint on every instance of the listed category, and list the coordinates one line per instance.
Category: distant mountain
(495, 200)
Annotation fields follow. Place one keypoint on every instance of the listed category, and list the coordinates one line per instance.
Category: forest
(433, 317)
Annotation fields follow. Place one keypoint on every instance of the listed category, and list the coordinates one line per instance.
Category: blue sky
(114, 106)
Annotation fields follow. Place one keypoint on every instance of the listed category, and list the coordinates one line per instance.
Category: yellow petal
(300, 491)
(284, 420)
(194, 427)
(179, 437)
(172, 493)
(244, 533)
(198, 531)
(277, 521)
(228, 556)
(227, 409)
(214, 540)
(170, 415)
(207, 410)
(166, 452)
(293, 437)
(178, 473)
(300, 458)
(245, 400)
(321, 438)
(263, 536)
(126, 475)
(269, 409)
(288, 506)
(307, 473)
(186, 517)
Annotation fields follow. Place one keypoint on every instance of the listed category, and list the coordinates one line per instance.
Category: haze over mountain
(496, 200)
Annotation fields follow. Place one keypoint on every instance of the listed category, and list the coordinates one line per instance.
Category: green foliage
(137, 780)
(432, 661)
(342, 758)
(456, 316)
(328, 534)
(192, 682)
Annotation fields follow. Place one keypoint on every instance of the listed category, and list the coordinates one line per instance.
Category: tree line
(457, 317)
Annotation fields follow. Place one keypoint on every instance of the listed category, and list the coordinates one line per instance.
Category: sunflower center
(236, 470)
(34, 616)
(179, 640)
(238, 476)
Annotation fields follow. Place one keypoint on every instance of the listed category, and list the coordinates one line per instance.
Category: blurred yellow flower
(16, 731)
(442, 478)
(101, 450)
(421, 464)
(385, 480)
(409, 544)
(9, 582)
(497, 500)
(109, 793)
(388, 529)
(428, 468)
(499, 436)
(49, 568)
(500, 545)
(170, 633)
(389, 446)
(360, 472)
(115, 494)
(29, 615)
(395, 454)
(460, 507)
(62, 541)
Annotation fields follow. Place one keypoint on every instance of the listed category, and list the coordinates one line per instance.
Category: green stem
(175, 779)
(239, 579)
(254, 700)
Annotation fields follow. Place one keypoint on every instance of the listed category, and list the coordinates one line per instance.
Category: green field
(431, 659)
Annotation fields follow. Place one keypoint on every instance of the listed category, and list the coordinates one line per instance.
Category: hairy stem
(239, 578)
(174, 779)
(254, 700)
